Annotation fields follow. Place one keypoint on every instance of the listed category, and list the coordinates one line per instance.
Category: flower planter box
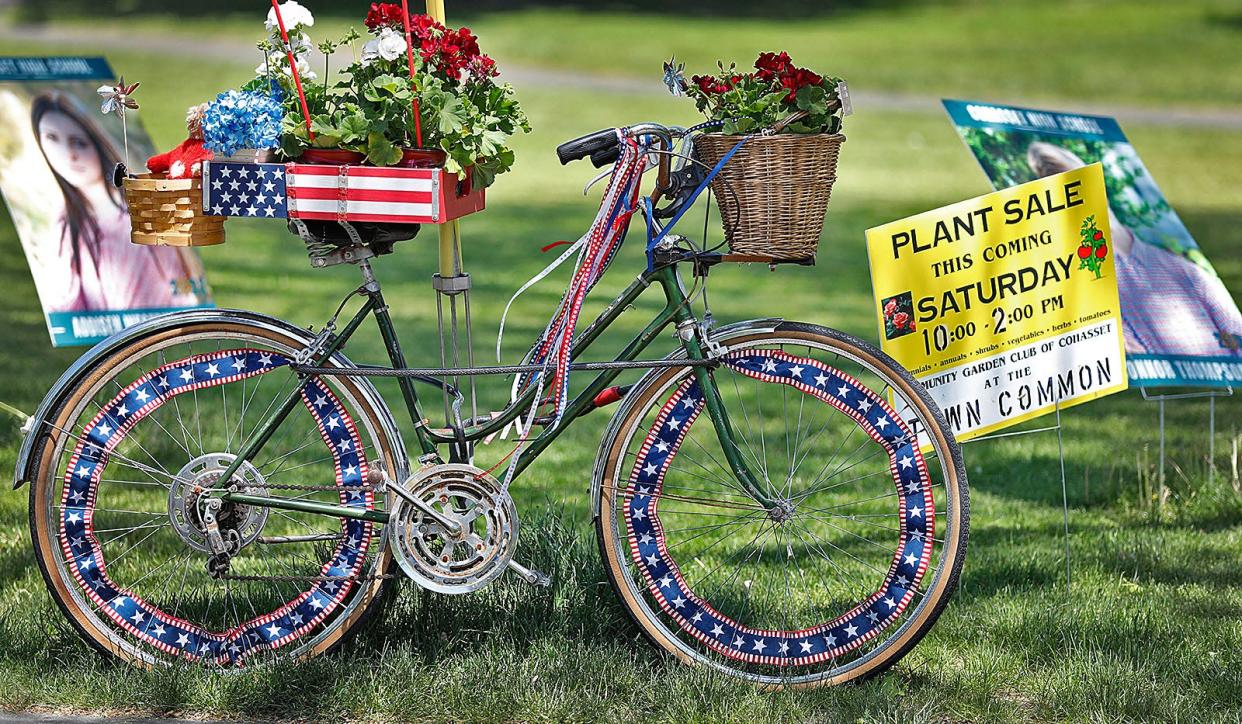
(323, 192)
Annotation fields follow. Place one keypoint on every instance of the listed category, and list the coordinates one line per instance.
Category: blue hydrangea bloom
(241, 119)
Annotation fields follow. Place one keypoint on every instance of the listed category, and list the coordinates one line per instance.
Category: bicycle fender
(720, 334)
(37, 435)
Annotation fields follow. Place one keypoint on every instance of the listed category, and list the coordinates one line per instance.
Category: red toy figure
(186, 160)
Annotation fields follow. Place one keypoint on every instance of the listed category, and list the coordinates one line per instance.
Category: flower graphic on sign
(1094, 247)
(898, 313)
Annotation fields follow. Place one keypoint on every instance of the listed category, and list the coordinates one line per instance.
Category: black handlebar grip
(606, 156)
(587, 145)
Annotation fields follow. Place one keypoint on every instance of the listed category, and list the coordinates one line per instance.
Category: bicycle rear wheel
(117, 500)
(848, 572)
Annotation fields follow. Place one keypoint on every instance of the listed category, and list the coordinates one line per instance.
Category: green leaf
(812, 98)
(381, 151)
(354, 127)
(452, 116)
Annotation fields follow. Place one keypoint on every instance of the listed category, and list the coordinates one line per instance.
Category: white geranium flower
(391, 44)
(294, 15)
(280, 61)
(370, 51)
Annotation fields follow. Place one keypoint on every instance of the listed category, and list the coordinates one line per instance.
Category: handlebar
(604, 147)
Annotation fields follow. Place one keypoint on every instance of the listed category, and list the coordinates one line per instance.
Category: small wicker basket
(773, 193)
(169, 212)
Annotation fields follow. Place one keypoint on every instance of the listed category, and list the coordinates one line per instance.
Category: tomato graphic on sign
(1094, 247)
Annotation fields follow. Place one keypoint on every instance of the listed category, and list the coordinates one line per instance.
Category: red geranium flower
(797, 79)
(773, 65)
(384, 15)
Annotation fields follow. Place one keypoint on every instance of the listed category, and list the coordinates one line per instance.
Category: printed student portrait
(1181, 325)
(57, 154)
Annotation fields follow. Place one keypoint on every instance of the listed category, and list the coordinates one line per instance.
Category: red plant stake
(409, 57)
(293, 68)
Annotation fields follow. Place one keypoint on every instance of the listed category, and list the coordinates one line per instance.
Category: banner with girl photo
(57, 152)
(1181, 326)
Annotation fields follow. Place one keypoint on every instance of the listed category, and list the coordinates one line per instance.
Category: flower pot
(332, 156)
(249, 155)
(422, 158)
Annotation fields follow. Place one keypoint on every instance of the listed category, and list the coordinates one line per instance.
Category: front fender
(36, 426)
(721, 334)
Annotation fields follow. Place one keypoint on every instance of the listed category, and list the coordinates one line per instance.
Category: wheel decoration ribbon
(828, 640)
(83, 550)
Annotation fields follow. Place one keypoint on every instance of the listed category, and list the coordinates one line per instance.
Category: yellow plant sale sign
(1005, 305)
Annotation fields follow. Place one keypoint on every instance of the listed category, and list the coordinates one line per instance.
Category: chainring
(447, 562)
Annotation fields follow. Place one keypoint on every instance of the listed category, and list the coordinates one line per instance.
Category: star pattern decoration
(145, 620)
(716, 630)
(246, 189)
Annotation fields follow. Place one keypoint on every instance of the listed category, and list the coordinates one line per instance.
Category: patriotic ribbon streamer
(716, 630)
(83, 550)
(596, 250)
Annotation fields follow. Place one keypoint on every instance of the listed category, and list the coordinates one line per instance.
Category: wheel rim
(710, 617)
(152, 431)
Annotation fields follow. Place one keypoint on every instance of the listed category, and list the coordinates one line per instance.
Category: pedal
(531, 576)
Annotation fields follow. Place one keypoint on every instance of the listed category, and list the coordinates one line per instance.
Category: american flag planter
(320, 192)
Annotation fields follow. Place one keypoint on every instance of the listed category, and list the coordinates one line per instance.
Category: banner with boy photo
(1181, 326)
(57, 153)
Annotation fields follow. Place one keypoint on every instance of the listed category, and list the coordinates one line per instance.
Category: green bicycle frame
(676, 312)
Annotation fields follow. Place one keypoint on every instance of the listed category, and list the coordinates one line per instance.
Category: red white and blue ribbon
(826, 640)
(596, 250)
(84, 553)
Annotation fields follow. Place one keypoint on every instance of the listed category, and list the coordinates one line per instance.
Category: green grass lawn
(1151, 628)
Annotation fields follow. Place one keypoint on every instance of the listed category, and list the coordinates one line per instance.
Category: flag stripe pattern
(144, 620)
(363, 193)
(717, 631)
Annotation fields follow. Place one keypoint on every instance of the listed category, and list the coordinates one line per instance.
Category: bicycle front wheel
(861, 542)
(120, 492)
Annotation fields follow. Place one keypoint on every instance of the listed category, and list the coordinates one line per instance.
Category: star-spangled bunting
(245, 189)
(145, 620)
(733, 639)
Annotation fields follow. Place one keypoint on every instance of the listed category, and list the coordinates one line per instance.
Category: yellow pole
(450, 233)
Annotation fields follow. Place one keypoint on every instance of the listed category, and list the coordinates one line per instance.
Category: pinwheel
(116, 98)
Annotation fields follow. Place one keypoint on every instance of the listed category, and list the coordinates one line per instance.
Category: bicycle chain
(334, 488)
(215, 563)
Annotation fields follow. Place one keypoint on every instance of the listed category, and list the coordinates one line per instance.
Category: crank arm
(450, 525)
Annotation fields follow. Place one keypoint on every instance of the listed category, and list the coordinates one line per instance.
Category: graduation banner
(57, 153)
(1182, 327)
(1005, 305)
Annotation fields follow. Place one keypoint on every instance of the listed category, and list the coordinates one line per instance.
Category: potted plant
(464, 116)
(784, 122)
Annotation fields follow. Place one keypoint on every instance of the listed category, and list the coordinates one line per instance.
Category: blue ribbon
(654, 238)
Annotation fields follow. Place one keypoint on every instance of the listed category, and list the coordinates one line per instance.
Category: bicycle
(810, 531)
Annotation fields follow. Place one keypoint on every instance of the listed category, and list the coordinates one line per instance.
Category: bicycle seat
(378, 235)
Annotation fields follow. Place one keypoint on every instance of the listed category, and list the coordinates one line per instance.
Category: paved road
(226, 49)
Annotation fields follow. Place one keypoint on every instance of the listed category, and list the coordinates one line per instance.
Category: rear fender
(36, 428)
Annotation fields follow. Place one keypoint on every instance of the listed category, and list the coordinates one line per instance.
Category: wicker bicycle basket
(773, 193)
(169, 212)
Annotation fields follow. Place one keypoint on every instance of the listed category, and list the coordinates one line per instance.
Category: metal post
(1160, 480)
(1064, 497)
(1211, 440)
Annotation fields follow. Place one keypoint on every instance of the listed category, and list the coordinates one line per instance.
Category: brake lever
(682, 184)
